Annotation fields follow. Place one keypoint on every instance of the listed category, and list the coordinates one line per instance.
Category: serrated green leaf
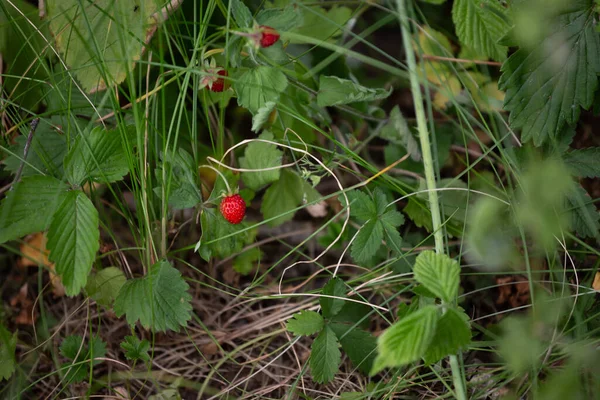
(258, 86)
(334, 91)
(98, 155)
(329, 305)
(452, 333)
(585, 218)
(367, 242)
(262, 115)
(159, 300)
(362, 206)
(100, 41)
(584, 163)
(183, 190)
(407, 340)
(360, 346)
(241, 14)
(74, 240)
(8, 345)
(29, 206)
(325, 356)
(305, 323)
(284, 195)
(246, 262)
(391, 235)
(547, 86)
(261, 155)
(324, 24)
(479, 25)
(353, 313)
(135, 349)
(80, 355)
(397, 132)
(221, 239)
(279, 19)
(104, 286)
(439, 274)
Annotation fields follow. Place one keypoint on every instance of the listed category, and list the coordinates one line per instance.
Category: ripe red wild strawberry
(268, 36)
(233, 208)
(219, 84)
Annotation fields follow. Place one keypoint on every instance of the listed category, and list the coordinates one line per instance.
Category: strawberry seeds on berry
(233, 208)
(219, 84)
(268, 36)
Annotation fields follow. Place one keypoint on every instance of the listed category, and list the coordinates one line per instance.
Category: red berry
(219, 84)
(233, 208)
(268, 36)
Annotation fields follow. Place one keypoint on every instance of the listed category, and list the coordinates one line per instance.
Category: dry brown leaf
(25, 305)
(596, 283)
(35, 253)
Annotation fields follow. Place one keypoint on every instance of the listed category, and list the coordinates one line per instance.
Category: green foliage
(103, 54)
(360, 346)
(159, 300)
(261, 155)
(262, 116)
(258, 86)
(439, 274)
(136, 349)
(397, 131)
(73, 240)
(584, 163)
(8, 345)
(82, 357)
(183, 191)
(325, 356)
(331, 306)
(221, 239)
(543, 93)
(305, 323)
(241, 14)
(104, 286)
(281, 19)
(480, 24)
(585, 218)
(245, 263)
(334, 91)
(30, 205)
(451, 334)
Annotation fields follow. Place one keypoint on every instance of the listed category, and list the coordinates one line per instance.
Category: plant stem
(428, 167)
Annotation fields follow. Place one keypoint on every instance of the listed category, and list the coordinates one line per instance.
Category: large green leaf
(330, 305)
(585, 218)
(104, 286)
(547, 85)
(29, 206)
(305, 323)
(182, 181)
(439, 274)
(360, 346)
(584, 162)
(220, 238)
(261, 155)
(281, 19)
(367, 242)
(73, 240)
(480, 24)
(451, 334)
(101, 40)
(325, 356)
(334, 91)
(241, 14)
(159, 300)
(8, 345)
(324, 24)
(258, 86)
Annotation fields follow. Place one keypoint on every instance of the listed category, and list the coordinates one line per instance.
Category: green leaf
(439, 274)
(362, 207)
(544, 92)
(258, 86)
(80, 366)
(241, 14)
(584, 163)
(284, 195)
(261, 155)
(262, 115)
(360, 346)
(104, 286)
(325, 356)
(329, 305)
(585, 218)
(8, 345)
(135, 349)
(159, 300)
(29, 206)
(100, 40)
(183, 190)
(407, 340)
(323, 24)
(98, 155)
(353, 313)
(73, 240)
(246, 262)
(452, 333)
(480, 24)
(284, 19)
(221, 239)
(305, 323)
(334, 91)
(398, 132)
(367, 242)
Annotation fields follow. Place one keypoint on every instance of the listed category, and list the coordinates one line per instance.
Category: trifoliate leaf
(407, 340)
(398, 132)
(546, 86)
(100, 40)
(74, 240)
(81, 357)
(305, 323)
(98, 155)
(334, 91)
(480, 24)
(330, 305)
(585, 218)
(246, 262)
(104, 286)
(262, 115)
(8, 345)
(360, 346)
(159, 300)
(279, 19)
(325, 356)
(135, 349)
(29, 206)
(451, 334)
(258, 86)
(584, 163)
(220, 238)
(439, 274)
(261, 155)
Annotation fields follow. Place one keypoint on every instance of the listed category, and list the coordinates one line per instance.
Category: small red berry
(219, 84)
(233, 208)
(268, 36)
